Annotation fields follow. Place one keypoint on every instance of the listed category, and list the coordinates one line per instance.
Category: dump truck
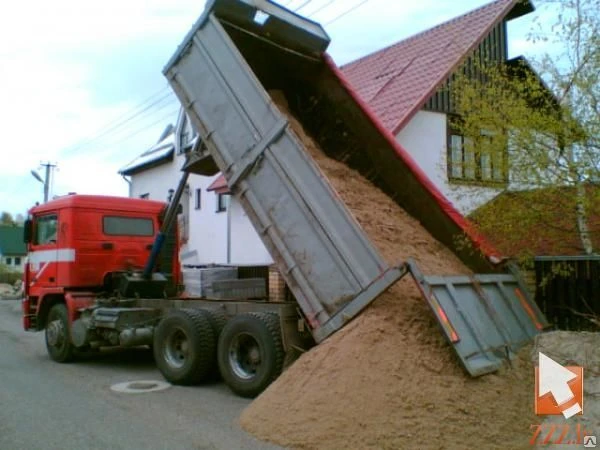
(101, 271)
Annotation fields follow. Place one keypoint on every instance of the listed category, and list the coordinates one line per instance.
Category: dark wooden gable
(493, 48)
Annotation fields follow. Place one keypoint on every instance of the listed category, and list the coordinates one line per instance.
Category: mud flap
(487, 318)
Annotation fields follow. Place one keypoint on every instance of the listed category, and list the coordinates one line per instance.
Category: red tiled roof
(219, 185)
(398, 80)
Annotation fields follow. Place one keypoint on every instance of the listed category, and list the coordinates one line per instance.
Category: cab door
(43, 256)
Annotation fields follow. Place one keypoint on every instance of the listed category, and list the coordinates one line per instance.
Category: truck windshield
(127, 226)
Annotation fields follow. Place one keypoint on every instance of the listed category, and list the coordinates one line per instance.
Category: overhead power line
(171, 114)
(134, 109)
(303, 5)
(157, 105)
(159, 101)
(321, 8)
(355, 7)
(117, 121)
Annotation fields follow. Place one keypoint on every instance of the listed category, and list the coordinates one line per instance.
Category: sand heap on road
(388, 379)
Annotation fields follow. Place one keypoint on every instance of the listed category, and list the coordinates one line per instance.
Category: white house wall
(208, 228)
(246, 245)
(11, 262)
(206, 235)
(425, 138)
(156, 182)
(205, 231)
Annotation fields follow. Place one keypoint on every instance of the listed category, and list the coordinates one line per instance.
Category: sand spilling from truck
(389, 379)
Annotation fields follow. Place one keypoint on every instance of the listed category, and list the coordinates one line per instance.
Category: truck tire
(184, 346)
(217, 320)
(58, 337)
(250, 353)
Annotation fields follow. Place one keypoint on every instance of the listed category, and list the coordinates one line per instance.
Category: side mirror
(28, 231)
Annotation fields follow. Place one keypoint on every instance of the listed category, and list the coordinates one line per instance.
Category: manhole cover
(140, 387)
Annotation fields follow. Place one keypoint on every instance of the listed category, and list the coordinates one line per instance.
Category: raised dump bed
(328, 263)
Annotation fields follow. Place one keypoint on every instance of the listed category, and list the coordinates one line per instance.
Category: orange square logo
(558, 389)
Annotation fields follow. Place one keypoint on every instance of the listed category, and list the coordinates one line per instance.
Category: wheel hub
(55, 332)
(177, 349)
(254, 355)
(244, 356)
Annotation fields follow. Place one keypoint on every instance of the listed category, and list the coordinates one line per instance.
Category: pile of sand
(389, 379)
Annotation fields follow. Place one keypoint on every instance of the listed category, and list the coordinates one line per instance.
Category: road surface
(45, 405)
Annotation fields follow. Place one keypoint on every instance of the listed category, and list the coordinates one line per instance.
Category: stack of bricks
(276, 285)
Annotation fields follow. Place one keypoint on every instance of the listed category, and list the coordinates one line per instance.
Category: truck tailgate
(487, 318)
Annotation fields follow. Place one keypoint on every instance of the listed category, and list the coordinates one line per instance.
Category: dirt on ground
(389, 380)
(5, 289)
(11, 292)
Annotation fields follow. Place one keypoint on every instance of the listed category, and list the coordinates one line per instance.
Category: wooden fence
(568, 291)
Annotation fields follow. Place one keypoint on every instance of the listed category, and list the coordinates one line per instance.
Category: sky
(81, 82)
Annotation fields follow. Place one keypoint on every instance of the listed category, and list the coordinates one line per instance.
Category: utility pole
(46, 181)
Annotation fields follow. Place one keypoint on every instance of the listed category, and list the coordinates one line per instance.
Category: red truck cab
(77, 242)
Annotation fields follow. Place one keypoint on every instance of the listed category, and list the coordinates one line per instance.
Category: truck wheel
(58, 338)
(217, 320)
(250, 352)
(185, 346)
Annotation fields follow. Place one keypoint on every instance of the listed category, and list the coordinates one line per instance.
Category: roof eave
(521, 8)
(147, 165)
(219, 186)
(221, 190)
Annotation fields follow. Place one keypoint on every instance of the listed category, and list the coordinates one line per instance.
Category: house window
(145, 196)
(222, 202)
(9, 261)
(198, 198)
(475, 160)
(17, 260)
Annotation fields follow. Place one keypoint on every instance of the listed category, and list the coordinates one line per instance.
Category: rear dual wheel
(250, 353)
(185, 346)
(194, 345)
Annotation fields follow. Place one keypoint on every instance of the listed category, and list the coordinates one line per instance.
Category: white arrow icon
(554, 379)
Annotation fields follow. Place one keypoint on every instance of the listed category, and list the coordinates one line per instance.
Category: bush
(8, 276)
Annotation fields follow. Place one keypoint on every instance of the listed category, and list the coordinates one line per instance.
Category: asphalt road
(45, 405)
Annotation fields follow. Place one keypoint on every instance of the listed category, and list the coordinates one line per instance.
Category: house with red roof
(407, 87)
